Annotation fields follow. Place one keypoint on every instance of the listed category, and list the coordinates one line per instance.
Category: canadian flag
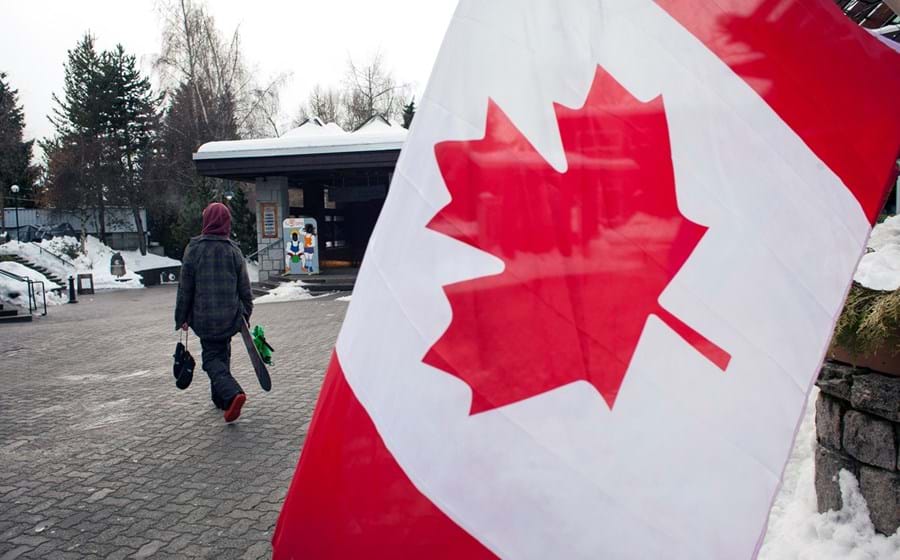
(604, 280)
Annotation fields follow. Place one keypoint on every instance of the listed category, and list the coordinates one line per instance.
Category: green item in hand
(264, 348)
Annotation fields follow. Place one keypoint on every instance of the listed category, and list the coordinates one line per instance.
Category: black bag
(183, 368)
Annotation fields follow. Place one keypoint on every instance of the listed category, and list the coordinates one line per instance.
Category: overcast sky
(310, 39)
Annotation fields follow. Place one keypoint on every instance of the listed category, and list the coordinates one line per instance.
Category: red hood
(216, 220)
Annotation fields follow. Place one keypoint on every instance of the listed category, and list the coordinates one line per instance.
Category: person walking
(214, 299)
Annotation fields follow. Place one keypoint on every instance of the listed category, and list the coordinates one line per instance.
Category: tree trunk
(142, 237)
(101, 217)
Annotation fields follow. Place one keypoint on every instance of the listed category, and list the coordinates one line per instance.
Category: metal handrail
(267, 247)
(32, 296)
(52, 254)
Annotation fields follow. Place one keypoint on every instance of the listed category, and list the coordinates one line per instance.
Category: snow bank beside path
(797, 531)
(880, 269)
(291, 291)
(34, 254)
(96, 261)
(14, 292)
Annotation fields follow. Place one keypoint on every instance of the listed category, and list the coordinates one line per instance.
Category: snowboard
(262, 372)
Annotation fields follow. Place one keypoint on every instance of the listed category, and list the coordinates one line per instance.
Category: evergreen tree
(243, 222)
(15, 153)
(131, 121)
(180, 193)
(106, 130)
(409, 111)
(77, 174)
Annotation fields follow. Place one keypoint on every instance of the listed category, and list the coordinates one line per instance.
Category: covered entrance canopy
(315, 170)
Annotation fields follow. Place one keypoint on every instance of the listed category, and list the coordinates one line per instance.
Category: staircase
(12, 316)
(330, 280)
(50, 276)
(263, 288)
(340, 280)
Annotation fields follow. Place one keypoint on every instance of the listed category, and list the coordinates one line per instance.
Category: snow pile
(14, 292)
(33, 254)
(134, 260)
(290, 291)
(96, 261)
(345, 298)
(797, 532)
(880, 269)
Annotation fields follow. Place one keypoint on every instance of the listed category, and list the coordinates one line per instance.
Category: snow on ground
(14, 292)
(96, 261)
(798, 532)
(289, 291)
(33, 253)
(345, 298)
(880, 269)
(134, 260)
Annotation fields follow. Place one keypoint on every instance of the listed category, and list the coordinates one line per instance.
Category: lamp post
(15, 191)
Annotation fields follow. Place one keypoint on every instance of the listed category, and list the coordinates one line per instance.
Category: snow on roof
(374, 125)
(312, 137)
(309, 127)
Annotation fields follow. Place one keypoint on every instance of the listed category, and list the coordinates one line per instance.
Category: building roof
(312, 137)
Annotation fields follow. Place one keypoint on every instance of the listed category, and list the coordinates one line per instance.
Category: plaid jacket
(214, 292)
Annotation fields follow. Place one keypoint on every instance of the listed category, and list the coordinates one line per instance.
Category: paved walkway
(102, 457)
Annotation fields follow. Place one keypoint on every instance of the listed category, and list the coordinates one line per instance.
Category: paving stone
(149, 549)
(258, 551)
(15, 553)
(138, 451)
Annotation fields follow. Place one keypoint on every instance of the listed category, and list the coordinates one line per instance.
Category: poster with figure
(301, 248)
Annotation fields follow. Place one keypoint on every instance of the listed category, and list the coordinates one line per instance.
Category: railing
(271, 245)
(61, 259)
(32, 296)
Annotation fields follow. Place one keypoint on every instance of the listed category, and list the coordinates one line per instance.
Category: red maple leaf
(587, 252)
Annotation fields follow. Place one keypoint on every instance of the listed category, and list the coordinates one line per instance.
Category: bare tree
(229, 102)
(324, 103)
(371, 90)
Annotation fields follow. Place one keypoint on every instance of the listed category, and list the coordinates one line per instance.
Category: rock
(870, 440)
(836, 379)
(877, 394)
(828, 464)
(881, 489)
(829, 419)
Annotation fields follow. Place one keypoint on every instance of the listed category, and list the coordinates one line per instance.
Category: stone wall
(271, 259)
(858, 429)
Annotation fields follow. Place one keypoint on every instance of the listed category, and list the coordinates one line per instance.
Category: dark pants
(217, 365)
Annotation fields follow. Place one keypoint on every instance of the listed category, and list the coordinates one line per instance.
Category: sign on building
(269, 211)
